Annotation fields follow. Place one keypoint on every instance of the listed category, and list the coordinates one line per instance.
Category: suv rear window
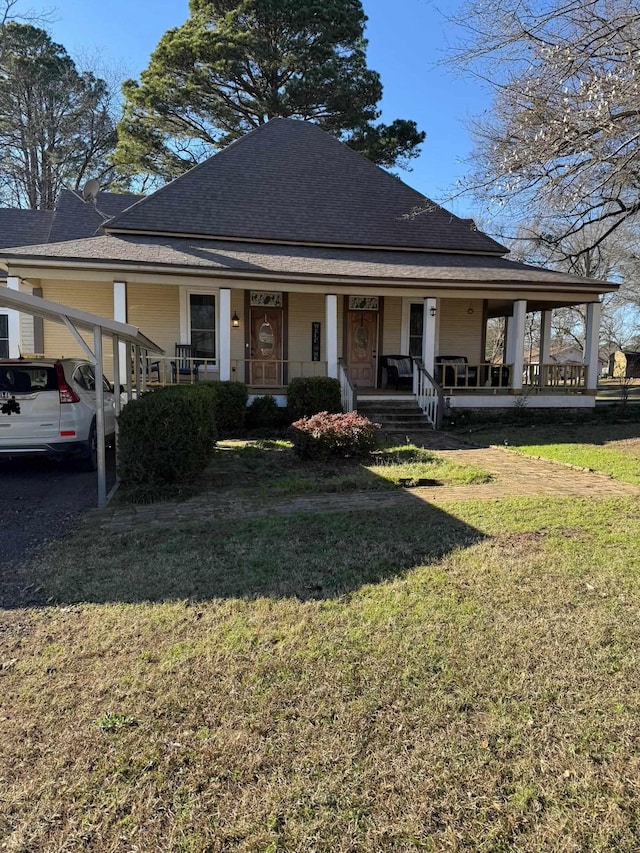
(23, 378)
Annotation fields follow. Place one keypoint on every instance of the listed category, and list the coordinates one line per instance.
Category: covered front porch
(440, 342)
(421, 330)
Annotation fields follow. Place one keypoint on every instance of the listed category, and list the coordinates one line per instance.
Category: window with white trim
(416, 322)
(4, 336)
(202, 322)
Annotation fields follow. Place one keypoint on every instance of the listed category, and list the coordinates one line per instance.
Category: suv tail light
(67, 394)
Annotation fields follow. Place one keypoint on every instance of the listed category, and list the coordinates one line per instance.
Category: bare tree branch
(564, 132)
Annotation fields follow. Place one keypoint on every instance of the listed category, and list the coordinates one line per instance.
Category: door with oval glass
(362, 346)
(266, 347)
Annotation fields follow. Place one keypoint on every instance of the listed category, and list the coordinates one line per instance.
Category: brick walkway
(514, 475)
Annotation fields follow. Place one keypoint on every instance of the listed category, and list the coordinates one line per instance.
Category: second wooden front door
(362, 346)
(266, 347)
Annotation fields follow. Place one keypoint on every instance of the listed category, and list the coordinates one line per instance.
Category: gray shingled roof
(289, 181)
(218, 257)
(24, 227)
(74, 218)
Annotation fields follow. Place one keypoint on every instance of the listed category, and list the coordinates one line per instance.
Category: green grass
(613, 449)
(454, 678)
(268, 468)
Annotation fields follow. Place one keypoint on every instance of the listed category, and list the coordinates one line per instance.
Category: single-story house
(288, 254)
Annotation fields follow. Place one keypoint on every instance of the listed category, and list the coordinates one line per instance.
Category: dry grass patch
(467, 680)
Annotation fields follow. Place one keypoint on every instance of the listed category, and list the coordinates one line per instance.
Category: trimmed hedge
(167, 436)
(307, 397)
(263, 413)
(326, 435)
(230, 406)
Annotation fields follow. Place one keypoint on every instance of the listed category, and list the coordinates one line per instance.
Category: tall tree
(56, 127)
(564, 131)
(235, 64)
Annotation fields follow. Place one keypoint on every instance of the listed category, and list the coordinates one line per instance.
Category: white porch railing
(348, 394)
(569, 377)
(167, 370)
(277, 372)
(460, 377)
(171, 370)
(429, 395)
(460, 374)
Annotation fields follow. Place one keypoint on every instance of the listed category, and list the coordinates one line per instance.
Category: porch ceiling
(504, 307)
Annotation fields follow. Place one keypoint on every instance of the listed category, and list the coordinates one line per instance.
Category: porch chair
(399, 370)
(452, 371)
(183, 365)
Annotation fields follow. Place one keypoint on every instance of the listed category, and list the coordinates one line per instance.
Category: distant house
(288, 254)
(624, 364)
(571, 354)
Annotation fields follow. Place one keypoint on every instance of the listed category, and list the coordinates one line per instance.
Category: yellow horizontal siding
(27, 337)
(305, 309)
(460, 332)
(238, 348)
(392, 325)
(92, 296)
(155, 310)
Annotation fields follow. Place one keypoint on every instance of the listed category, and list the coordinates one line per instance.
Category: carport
(135, 346)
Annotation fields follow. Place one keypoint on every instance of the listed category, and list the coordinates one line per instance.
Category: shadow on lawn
(304, 556)
(531, 427)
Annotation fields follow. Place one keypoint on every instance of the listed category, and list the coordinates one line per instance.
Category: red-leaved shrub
(325, 435)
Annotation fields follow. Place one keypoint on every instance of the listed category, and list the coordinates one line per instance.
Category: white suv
(48, 408)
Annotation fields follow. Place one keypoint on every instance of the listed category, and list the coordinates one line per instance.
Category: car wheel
(89, 460)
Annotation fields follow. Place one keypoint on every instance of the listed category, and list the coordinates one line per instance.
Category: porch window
(4, 336)
(416, 320)
(202, 316)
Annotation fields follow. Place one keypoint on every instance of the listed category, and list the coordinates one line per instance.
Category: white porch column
(120, 314)
(515, 345)
(507, 349)
(545, 336)
(591, 344)
(13, 283)
(429, 322)
(224, 334)
(332, 335)
(545, 344)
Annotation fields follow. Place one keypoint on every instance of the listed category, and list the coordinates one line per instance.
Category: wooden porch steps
(395, 416)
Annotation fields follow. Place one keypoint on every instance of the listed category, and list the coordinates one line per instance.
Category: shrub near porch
(325, 435)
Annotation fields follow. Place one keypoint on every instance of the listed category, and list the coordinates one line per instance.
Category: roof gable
(291, 182)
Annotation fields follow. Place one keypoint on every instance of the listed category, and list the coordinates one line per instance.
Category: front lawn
(613, 449)
(454, 678)
(267, 468)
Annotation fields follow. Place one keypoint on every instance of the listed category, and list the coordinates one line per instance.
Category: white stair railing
(429, 394)
(348, 394)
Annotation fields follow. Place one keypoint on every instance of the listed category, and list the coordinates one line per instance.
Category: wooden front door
(362, 347)
(266, 347)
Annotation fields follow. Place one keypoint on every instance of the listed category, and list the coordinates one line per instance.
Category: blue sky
(406, 40)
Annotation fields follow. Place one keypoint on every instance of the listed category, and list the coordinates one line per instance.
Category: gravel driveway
(39, 501)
